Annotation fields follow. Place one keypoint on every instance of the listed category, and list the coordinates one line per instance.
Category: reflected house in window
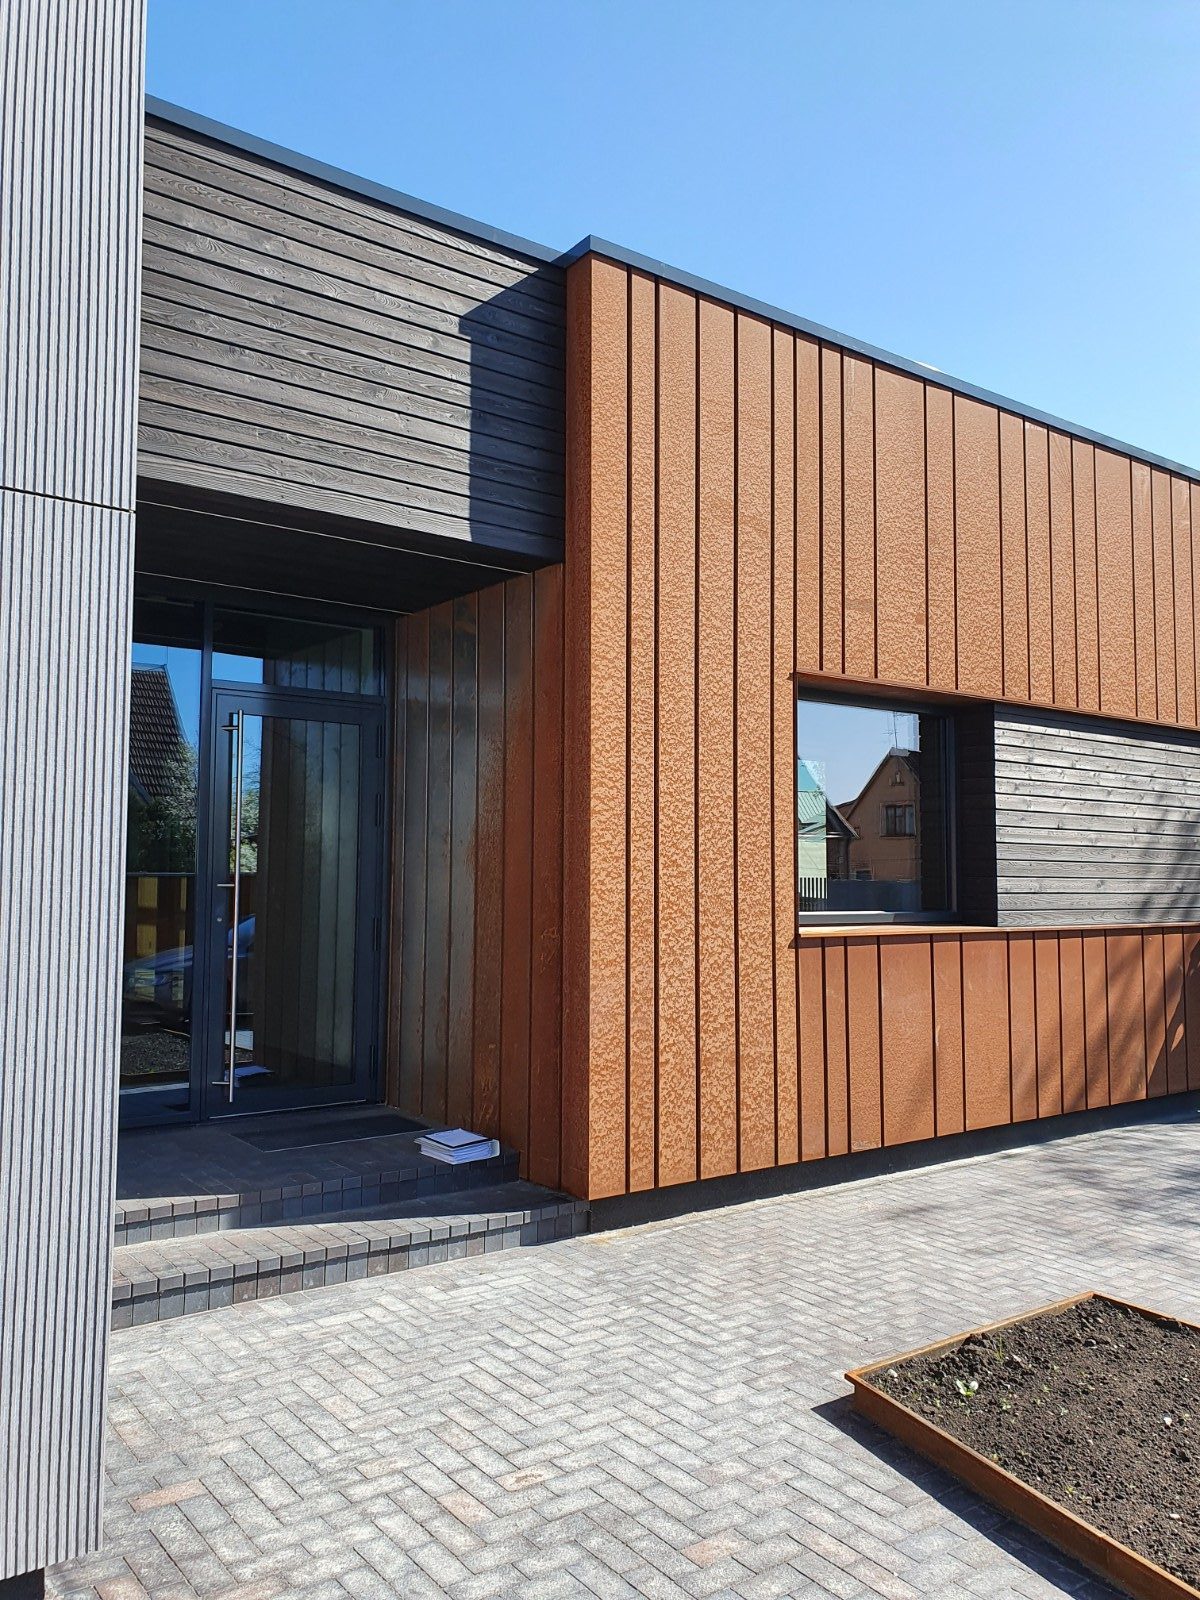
(823, 835)
(885, 820)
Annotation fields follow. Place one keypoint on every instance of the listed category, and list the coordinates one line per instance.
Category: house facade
(538, 691)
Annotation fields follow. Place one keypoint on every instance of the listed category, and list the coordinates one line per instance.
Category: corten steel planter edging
(1106, 1556)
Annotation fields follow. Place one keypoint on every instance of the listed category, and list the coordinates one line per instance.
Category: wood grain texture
(476, 972)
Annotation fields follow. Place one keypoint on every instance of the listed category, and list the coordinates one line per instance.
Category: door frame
(208, 1088)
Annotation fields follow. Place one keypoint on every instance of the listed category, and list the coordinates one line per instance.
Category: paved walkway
(656, 1412)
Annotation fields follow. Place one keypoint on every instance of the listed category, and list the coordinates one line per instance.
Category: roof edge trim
(221, 133)
(942, 380)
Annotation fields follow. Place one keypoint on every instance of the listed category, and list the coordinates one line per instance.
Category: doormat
(330, 1131)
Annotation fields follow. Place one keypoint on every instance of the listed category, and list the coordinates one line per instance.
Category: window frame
(863, 700)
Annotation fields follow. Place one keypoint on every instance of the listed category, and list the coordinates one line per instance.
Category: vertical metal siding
(70, 150)
(746, 504)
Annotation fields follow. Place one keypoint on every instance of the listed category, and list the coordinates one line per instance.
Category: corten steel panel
(1185, 611)
(900, 527)
(811, 962)
(1126, 1017)
(1144, 621)
(518, 864)
(1014, 574)
(464, 864)
(783, 865)
(837, 1066)
(1037, 538)
(1095, 1007)
(1164, 595)
(1156, 1014)
(977, 546)
(948, 1035)
(1115, 578)
(545, 1058)
(833, 595)
(1062, 572)
(489, 859)
(70, 155)
(1173, 959)
(942, 623)
(755, 818)
(988, 1088)
(862, 1007)
(677, 1044)
(642, 983)
(808, 505)
(1049, 1025)
(1191, 999)
(907, 1029)
(859, 606)
(1073, 1025)
(716, 811)
(475, 981)
(1022, 1011)
(1087, 618)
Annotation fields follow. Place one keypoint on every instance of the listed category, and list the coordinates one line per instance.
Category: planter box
(1105, 1555)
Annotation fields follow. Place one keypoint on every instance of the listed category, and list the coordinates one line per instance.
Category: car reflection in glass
(157, 990)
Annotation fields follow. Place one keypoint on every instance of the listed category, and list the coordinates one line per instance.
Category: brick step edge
(139, 1301)
(302, 1202)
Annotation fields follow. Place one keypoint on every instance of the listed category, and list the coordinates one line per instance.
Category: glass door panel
(293, 924)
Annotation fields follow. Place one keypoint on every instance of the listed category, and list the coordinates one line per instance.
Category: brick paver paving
(654, 1413)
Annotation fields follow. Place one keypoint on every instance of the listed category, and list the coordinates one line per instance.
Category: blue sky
(1006, 189)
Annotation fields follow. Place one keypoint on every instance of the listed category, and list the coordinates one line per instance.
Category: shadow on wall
(516, 340)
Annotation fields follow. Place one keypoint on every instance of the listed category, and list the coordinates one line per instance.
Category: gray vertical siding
(310, 346)
(1095, 821)
(70, 148)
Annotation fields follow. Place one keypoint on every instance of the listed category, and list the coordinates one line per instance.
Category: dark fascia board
(758, 308)
(220, 133)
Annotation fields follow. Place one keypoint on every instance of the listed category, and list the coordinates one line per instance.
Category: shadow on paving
(979, 1514)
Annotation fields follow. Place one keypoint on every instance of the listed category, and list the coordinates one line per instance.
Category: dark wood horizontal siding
(311, 348)
(1095, 821)
(475, 986)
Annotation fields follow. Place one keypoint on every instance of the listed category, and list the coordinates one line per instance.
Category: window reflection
(160, 886)
(873, 806)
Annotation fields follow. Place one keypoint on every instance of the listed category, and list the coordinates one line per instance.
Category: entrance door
(296, 817)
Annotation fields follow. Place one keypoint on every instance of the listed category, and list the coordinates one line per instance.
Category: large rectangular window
(874, 803)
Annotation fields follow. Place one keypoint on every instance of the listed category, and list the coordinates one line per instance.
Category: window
(874, 802)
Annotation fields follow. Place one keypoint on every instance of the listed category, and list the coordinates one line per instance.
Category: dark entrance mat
(343, 1130)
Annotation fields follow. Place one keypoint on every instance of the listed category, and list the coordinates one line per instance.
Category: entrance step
(179, 1275)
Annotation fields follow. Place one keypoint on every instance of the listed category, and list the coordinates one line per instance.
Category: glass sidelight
(295, 826)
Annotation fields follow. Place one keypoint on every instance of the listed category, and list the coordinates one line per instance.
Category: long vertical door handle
(236, 727)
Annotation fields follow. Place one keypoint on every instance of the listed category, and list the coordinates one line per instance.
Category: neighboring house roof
(155, 735)
(836, 823)
(910, 758)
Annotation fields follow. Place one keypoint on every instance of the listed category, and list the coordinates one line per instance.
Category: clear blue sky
(1006, 189)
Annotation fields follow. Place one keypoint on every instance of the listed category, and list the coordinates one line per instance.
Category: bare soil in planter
(1095, 1406)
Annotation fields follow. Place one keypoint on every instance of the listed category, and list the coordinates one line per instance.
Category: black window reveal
(874, 810)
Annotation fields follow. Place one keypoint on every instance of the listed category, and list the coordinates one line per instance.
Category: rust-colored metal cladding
(1037, 547)
(1014, 573)
(1113, 1561)
(907, 1028)
(987, 1086)
(489, 860)
(859, 608)
(1022, 1013)
(1144, 608)
(862, 1006)
(1072, 1022)
(942, 583)
(1095, 1008)
(1115, 574)
(642, 1001)
(1049, 1025)
(1154, 976)
(716, 817)
(754, 950)
(977, 545)
(464, 867)
(1164, 595)
(811, 977)
(1062, 573)
(1087, 613)
(949, 1115)
(545, 1004)
(900, 527)
(833, 597)
(518, 865)
(1191, 1003)
(837, 1066)
(1185, 626)
(1126, 1016)
(1176, 1018)
(783, 747)
(808, 503)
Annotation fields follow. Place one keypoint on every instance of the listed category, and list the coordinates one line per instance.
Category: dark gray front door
(294, 901)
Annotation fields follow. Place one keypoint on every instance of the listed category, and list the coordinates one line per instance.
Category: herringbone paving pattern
(655, 1412)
